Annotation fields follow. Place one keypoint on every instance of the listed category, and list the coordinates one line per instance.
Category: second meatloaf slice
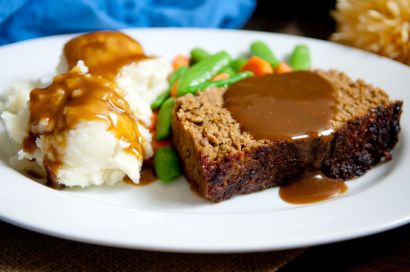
(220, 160)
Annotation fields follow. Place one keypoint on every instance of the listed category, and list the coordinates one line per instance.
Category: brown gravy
(290, 106)
(147, 175)
(313, 187)
(282, 106)
(104, 52)
(71, 98)
(33, 174)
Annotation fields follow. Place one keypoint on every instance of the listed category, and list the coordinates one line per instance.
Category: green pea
(228, 70)
(160, 100)
(217, 83)
(203, 71)
(237, 64)
(163, 126)
(300, 58)
(177, 74)
(198, 54)
(171, 80)
(166, 164)
(262, 50)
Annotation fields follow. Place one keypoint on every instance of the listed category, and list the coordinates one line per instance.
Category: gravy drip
(313, 187)
(72, 98)
(103, 52)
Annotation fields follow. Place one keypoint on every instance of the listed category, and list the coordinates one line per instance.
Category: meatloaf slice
(220, 160)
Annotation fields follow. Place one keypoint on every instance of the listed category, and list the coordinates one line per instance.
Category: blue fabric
(25, 19)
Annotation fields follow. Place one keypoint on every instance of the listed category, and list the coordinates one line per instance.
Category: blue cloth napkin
(25, 19)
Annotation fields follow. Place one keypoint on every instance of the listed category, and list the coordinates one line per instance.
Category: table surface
(388, 251)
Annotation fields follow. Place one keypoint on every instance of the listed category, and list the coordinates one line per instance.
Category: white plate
(171, 217)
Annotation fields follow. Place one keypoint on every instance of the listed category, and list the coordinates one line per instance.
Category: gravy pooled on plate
(312, 187)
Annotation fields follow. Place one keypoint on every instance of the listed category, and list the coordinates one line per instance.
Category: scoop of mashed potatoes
(68, 131)
(79, 130)
(120, 59)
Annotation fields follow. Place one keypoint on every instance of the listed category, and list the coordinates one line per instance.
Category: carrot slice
(154, 118)
(179, 61)
(257, 66)
(283, 67)
(220, 76)
(156, 144)
(174, 89)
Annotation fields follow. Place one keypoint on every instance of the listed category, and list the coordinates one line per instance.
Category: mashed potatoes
(89, 126)
(120, 59)
(87, 149)
(143, 82)
(94, 156)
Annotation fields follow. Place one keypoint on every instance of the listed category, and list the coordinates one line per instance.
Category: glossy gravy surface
(313, 187)
(290, 106)
(71, 98)
(104, 52)
(282, 107)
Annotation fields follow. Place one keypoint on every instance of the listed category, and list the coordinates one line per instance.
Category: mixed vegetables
(202, 70)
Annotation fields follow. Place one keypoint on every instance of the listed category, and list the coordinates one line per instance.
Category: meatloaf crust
(221, 161)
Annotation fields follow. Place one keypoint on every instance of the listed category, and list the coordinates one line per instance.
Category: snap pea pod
(166, 164)
(203, 71)
(160, 100)
(177, 74)
(300, 58)
(217, 83)
(172, 78)
(198, 54)
(262, 50)
(163, 126)
(228, 70)
(237, 64)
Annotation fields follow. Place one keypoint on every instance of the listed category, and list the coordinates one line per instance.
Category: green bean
(166, 164)
(228, 70)
(163, 126)
(160, 100)
(198, 54)
(237, 64)
(177, 74)
(262, 50)
(300, 58)
(217, 83)
(172, 78)
(203, 71)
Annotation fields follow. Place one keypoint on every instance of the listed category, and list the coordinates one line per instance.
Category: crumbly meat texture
(220, 160)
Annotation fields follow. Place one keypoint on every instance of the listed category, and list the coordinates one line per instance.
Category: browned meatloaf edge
(221, 161)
